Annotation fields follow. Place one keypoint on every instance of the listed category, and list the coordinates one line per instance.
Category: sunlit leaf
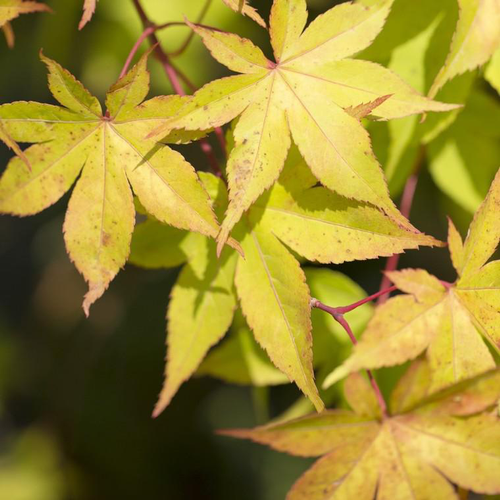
(413, 455)
(449, 320)
(303, 94)
(476, 38)
(112, 151)
(270, 283)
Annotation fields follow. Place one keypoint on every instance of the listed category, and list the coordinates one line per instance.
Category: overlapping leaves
(420, 54)
(414, 454)
(476, 38)
(268, 282)
(313, 92)
(110, 151)
(450, 320)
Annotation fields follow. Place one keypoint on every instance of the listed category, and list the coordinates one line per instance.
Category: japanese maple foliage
(301, 186)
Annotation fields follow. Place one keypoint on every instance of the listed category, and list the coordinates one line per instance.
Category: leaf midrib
(330, 223)
(445, 440)
(53, 164)
(301, 54)
(280, 306)
(347, 164)
(147, 162)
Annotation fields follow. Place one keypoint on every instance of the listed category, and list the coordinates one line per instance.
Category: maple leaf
(245, 9)
(110, 151)
(89, 7)
(450, 320)
(10, 9)
(476, 38)
(414, 454)
(269, 282)
(11, 144)
(304, 92)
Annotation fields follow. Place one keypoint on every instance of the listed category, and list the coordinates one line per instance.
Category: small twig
(173, 74)
(145, 34)
(186, 43)
(346, 309)
(339, 318)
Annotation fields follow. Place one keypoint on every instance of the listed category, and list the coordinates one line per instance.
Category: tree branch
(172, 74)
(339, 318)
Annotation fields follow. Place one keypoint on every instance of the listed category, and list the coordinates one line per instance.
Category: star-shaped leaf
(416, 454)
(270, 284)
(310, 92)
(111, 149)
(476, 38)
(10, 9)
(449, 320)
(89, 7)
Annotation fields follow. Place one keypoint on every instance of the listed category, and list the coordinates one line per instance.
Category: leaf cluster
(302, 184)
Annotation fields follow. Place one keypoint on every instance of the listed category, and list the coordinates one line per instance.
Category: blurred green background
(76, 395)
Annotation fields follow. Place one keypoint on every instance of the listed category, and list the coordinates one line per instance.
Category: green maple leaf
(310, 91)
(110, 152)
(470, 141)
(268, 282)
(450, 321)
(428, 29)
(476, 38)
(413, 454)
(240, 360)
(89, 7)
(10, 9)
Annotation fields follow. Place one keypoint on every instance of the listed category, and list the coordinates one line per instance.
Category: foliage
(426, 443)
(302, 188)
(448, 320)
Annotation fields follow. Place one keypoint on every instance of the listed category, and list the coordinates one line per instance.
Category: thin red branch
(337, 311)
(186, 43)
(339, 318)
(173, 74)
(346, 309)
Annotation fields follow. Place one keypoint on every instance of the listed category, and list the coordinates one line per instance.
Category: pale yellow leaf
(456, 246)
(276, 303)
(286, 23)
(457, 352)
(200, 312)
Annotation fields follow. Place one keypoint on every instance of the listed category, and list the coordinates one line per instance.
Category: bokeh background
(76, 394)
